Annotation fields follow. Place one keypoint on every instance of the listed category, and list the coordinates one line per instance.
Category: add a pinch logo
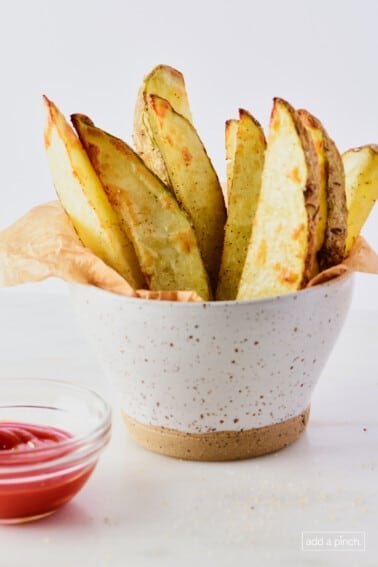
(333, 541)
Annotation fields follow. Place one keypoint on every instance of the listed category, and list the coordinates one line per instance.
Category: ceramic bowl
(51, 436)
(215, 380)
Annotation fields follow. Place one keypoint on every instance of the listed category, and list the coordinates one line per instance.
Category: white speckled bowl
(215, 380)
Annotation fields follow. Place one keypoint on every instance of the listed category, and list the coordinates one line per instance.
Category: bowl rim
(346, 276)
(74, 451)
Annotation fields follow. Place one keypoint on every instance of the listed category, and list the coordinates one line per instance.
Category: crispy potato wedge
(361, 185)
(281, 252)
(193, 178)
(164, 240)
(84, 199)
(231, 135)
(169, 84)
(317, 138)
(246, 153)
(332, 251)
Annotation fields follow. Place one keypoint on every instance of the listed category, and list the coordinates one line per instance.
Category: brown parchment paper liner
(43, 243)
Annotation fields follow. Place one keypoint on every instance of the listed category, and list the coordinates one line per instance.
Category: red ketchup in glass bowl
(42, 466)
(39, 496)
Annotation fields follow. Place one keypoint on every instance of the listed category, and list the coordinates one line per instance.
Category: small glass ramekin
(36, 481)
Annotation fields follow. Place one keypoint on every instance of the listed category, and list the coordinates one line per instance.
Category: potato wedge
(317, 138)
(246, 154)
(332, 251)
(162, 235)
(84, 199)
(231, 135)
(361, 186)
(281, 252)
(169, 84)
(193, 178)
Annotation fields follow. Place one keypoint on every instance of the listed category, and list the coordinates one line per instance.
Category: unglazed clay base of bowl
(218, 445)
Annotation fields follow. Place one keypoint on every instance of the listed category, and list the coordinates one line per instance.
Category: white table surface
(141, 509)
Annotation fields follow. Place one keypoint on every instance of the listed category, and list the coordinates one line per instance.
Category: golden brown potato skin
(84, 199)
(311, 196)
(281, 252)
(332, 251)
(245, 150)
(193, 178)
(168, 83)
(361, 185)
(164, 240)
(317, 138)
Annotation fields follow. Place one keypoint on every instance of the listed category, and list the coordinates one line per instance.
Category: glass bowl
(61, 429)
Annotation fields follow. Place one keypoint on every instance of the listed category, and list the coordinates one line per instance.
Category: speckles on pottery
(205, 365)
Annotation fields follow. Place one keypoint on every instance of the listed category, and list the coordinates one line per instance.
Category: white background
(90, 57)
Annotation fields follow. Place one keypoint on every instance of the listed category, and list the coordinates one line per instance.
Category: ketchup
(26, 492)
(20, 436)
